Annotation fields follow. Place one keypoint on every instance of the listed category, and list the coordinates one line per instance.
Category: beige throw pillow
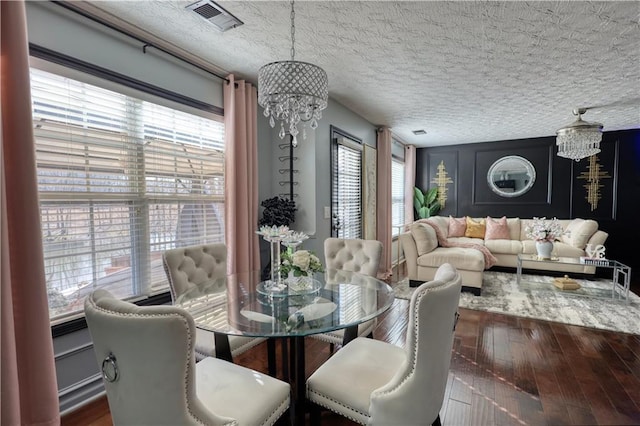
(579, 231)
(425, 237)
(442, 223)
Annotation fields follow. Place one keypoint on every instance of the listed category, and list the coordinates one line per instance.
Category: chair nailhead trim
(189, 347)
(415, 336)
(338, 403)
(271, 418)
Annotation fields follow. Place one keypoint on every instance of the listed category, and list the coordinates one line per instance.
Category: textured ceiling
(463, 71)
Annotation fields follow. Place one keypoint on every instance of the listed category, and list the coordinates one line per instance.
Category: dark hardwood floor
(505, 370)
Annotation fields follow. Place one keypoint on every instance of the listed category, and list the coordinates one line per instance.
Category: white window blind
(120, 181)
(397, 195)
(347, 190)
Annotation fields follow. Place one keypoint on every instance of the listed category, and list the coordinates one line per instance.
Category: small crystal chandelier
(579, 139)
(292, 92)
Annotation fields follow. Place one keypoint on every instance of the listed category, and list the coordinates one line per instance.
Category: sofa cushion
(559, 249)
(504, 246)
(457, 227)
(514, 228)
(475, 229)
(578, 232)
(566, 250)
(442, 223)
(466, 240)
(566, 237)
(425, 237)
(497, 229)
(467, 259)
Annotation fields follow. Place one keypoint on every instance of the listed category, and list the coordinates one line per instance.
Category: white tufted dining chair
(377, 383)
(151, 378)
(353, 255)
(196, 266)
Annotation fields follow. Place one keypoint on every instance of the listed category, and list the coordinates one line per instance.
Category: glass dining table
(244, 305)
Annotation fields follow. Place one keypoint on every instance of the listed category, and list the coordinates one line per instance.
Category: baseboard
(476, 291)
(80, 394)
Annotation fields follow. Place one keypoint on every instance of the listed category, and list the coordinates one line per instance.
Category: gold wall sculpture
(441, 180)
(593, 175)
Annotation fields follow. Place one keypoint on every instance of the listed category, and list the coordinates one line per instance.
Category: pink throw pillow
(497, 229)
(457, 227)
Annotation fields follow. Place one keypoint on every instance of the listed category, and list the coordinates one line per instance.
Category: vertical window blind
(397, 195)
(347, 189)
(120, 180)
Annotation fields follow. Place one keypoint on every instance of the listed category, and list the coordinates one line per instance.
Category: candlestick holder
(274, 235)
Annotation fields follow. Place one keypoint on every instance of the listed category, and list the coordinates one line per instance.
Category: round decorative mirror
(511, 176)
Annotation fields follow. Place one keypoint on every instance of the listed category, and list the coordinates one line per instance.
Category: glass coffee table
(617, 289)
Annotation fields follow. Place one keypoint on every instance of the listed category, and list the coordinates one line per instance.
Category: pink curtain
(29, 388)
(241, 176)
(409, 181)
(383, 200)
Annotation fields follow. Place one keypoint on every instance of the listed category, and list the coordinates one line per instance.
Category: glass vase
(275, 262)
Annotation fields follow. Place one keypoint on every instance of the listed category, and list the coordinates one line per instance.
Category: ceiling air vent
(419, 132)
(215, 14)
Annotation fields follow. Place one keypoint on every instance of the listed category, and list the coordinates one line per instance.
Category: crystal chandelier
(579, 139)
(292, 92)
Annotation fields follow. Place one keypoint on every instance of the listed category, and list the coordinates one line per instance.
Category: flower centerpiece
(544, 232)
(298, 266)
(542, 229)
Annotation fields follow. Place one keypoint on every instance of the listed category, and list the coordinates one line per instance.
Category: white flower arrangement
(544, 230)
(301, 262)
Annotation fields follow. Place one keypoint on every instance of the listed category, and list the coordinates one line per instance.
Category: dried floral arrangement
(278, 211)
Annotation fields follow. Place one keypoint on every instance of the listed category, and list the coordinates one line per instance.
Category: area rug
(535, 298)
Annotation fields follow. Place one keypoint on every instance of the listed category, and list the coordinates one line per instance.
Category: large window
(120, 180)
(397, 195)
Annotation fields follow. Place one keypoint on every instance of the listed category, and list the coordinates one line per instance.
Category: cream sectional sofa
(423, 255)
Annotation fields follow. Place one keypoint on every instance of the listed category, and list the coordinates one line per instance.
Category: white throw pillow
(442, 223)
(425, 237)
(579, 231)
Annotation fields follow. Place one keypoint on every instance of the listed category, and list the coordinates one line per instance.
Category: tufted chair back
(361, 256)
(417, 390)
(147, 358)
(194, 266)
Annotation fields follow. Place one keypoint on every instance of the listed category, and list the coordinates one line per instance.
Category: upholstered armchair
(197, 266)
(151, 378)
(377, 383)
(353, 255)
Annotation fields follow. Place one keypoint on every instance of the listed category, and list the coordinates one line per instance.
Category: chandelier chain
(293, 33)
(292, 93)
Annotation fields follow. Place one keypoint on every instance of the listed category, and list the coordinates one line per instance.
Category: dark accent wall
(560, 188)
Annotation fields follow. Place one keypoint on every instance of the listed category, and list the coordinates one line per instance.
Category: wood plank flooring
(505, 370)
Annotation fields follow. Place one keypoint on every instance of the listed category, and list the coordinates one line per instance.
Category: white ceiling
(463, 71)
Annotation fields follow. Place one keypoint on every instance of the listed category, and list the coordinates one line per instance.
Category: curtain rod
(146, 43)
